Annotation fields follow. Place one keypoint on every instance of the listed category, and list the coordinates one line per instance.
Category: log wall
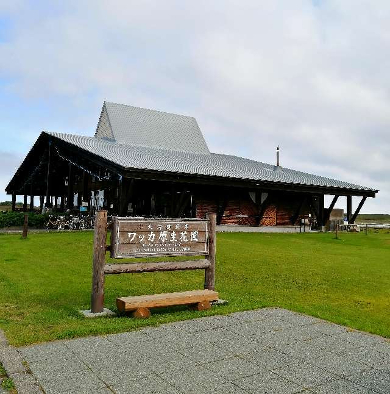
(279, 209)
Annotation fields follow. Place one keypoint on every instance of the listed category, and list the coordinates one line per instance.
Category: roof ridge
(148, 109)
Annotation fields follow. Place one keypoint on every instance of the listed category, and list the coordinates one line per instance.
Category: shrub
(16, 219)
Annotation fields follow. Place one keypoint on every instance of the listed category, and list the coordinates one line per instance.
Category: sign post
(139, 238)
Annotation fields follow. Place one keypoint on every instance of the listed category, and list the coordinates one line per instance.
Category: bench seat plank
(127, 304)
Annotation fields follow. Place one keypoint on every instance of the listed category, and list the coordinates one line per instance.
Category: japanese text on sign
(154, 237)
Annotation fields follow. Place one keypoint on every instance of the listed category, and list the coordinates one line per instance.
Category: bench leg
(141, 313)
(202, 306)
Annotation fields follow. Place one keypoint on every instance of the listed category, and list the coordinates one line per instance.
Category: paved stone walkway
(262, 351)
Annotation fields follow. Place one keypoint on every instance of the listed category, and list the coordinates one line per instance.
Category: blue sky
(310, 76)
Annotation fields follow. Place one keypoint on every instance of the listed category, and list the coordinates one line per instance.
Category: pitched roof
(145, 127)
(207, 164)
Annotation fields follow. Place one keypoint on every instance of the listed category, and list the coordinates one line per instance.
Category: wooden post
(13, 201)
(41, 202)
(99, 259)
(337, 229)
(48, 203)
(209, 280)
(31, 203)
(25, 226)
(25, 203)
(366, 229)
(70, 203)
(349, 208)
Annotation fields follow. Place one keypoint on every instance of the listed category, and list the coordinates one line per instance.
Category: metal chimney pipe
(277, 156)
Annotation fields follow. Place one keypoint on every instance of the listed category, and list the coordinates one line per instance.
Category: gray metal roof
(145, 127)
(209, 164)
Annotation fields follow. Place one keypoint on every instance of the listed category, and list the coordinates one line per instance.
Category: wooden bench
(135, 238)
(140, 305)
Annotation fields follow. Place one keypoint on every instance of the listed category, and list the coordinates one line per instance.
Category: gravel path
(263, 351)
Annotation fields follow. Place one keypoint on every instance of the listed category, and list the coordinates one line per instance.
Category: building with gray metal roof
(147, 162)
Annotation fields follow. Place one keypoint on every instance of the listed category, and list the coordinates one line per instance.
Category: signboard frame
(191, 237)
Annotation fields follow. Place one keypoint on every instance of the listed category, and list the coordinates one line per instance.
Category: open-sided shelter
(148, 163)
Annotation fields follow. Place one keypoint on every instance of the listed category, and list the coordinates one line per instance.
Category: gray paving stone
(74, 382)
(341, 387)
(152, 384)
(303, 373)
(267, 382)
(197, 380)
(44, 351)
(341, 365)
(268, 359)
(377, 380)
(232, 368)
(269, 350)
(44, 369)
(202, 324)
(26, 383)
(228, 388)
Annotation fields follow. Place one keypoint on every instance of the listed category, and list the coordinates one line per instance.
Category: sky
(310, 76)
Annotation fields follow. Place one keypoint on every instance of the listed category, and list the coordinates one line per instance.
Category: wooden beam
(70, 201)
(25, 203)
(221, 207)
(298, 211)
(48, 175)
(321, 203)
(184, 201)
(31, 202)
(13, 201)
(354, 216)
(41, 202)
(330, 209)
(349, 208)
(126, 192)
(132, 268)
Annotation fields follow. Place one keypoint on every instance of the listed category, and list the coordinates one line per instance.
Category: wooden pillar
(99, 259)
(13, 201)
(349, 208)
(209, 280)
(25, 203)
(70, 201)
(55, 203)
(62, 208)
(321, 204)
(41, 202)
(48, 203)
(31, 202)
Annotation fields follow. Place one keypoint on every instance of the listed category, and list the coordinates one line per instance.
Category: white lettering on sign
(153, 237)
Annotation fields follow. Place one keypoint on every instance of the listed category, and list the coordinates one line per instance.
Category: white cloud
(255, 74)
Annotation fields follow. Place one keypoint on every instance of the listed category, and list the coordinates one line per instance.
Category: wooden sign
(141, 238)
(132, 237)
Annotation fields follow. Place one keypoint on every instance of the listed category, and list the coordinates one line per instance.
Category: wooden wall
(279, 209)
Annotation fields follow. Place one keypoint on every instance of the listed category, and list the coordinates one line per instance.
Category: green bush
(16, 219)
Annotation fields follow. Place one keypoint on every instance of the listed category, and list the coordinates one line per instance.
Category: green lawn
(46, 279)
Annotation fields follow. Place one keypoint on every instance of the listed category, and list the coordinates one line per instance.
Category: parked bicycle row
(71, 222)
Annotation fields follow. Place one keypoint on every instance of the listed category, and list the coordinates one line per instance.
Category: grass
(5, 382)
(46, 279)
